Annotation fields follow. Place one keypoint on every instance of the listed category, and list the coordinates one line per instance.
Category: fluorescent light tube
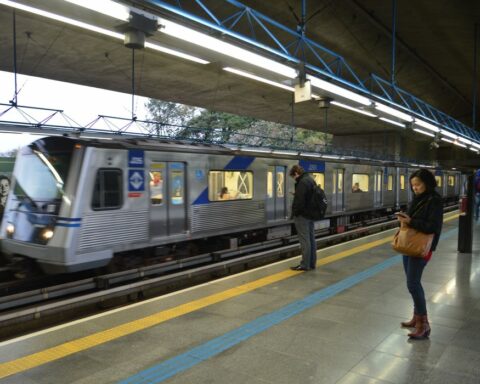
(393, 112)
(392, 122)
(258, 78)
(187, 34)
(335, 89)
(429, 126)
(447, 140)
(352, 109)
(473, 149)
(459, 144)
(476, 144)
(173, 52)
(424, 132)
(94, 28)
(63, 19)
(465, 141)
(106, 7)
(448, 134)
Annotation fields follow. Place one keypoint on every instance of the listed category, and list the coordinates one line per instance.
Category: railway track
(42, 307)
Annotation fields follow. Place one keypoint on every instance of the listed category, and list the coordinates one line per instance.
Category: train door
(338, 195)
(276, 202)
(378, 190)
(167, 199)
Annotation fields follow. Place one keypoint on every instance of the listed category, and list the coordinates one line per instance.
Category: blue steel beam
(292, 45)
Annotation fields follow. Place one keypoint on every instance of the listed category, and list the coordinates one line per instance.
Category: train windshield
(40, 172)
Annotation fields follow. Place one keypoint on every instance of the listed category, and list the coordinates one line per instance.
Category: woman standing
(425, 214)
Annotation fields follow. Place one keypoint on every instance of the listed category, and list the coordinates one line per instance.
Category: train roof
(175, 145)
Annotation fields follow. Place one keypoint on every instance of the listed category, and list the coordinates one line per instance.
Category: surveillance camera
(434, 145)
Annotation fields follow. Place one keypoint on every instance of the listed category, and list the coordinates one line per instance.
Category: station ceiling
(434, 58)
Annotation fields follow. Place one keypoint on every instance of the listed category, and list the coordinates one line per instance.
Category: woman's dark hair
(427, 178)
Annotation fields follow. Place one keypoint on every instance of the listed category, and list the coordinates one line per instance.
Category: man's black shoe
(298, 268)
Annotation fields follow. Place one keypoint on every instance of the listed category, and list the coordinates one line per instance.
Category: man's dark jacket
(427, 211)
(303, 190)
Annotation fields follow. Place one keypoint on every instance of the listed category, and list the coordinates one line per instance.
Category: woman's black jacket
(303, 190)
(426, 211)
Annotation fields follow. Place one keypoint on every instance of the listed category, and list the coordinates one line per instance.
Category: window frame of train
(245, 181)
(276, 192)
(338, 194)
(389, 183)
(451, 181)
(378, 189)
(363, 180)
(99, 189)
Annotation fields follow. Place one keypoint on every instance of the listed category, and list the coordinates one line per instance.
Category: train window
(451, 181)
(107, 193)
(319, 179)
(156, 186)
(176, 183)
(230, 185)
(402, 182)
(438, 179)
(269, 184)
(390, 183)
(280, 183)
(359, 182)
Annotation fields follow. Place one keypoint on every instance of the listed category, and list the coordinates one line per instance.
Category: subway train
(74, 203)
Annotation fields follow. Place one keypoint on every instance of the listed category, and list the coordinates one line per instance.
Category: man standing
(304, 186)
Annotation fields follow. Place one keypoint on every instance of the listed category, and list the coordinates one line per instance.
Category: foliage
(201, 124)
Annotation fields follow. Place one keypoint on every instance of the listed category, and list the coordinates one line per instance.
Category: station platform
(337, 324)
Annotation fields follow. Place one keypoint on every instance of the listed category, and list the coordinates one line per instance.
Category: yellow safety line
(69, 348)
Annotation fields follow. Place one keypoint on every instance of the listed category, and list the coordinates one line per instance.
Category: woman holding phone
(425, 214)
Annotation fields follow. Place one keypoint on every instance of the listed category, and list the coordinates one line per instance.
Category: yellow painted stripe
(81, 344)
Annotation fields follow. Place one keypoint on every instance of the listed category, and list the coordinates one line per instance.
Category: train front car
(38, 215)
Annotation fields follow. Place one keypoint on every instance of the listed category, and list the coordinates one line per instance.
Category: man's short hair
(296, 169)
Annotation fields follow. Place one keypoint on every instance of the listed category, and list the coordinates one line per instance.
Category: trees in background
(202, 124)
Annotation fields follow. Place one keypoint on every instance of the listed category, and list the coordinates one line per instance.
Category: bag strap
(419, 206)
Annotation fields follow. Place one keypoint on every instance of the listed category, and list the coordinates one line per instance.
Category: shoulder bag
(410, 242)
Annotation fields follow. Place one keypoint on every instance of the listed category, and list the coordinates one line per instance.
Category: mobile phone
(400, 214)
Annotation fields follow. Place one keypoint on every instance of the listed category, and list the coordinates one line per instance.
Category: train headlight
(10, 230)
(46, 234)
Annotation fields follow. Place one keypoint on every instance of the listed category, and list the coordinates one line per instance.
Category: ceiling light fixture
(447, 140)
(465, 141)
(96, 29)
(336, 90)
(258, 78)
(448, 134)
(424, 132)
(459, 144)
(426, 125)
(341, 105)
(106, 7)
(191, 36)
(392, 122)
(393, 112)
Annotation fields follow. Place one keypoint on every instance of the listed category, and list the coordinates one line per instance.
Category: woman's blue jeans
(413, 267)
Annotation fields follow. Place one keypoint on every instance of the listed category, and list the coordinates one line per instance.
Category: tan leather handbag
(410, 242)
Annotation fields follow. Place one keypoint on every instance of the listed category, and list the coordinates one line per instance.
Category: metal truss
(245, 24)
(111, 127)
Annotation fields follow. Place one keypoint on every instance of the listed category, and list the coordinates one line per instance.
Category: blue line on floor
(194, 356)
